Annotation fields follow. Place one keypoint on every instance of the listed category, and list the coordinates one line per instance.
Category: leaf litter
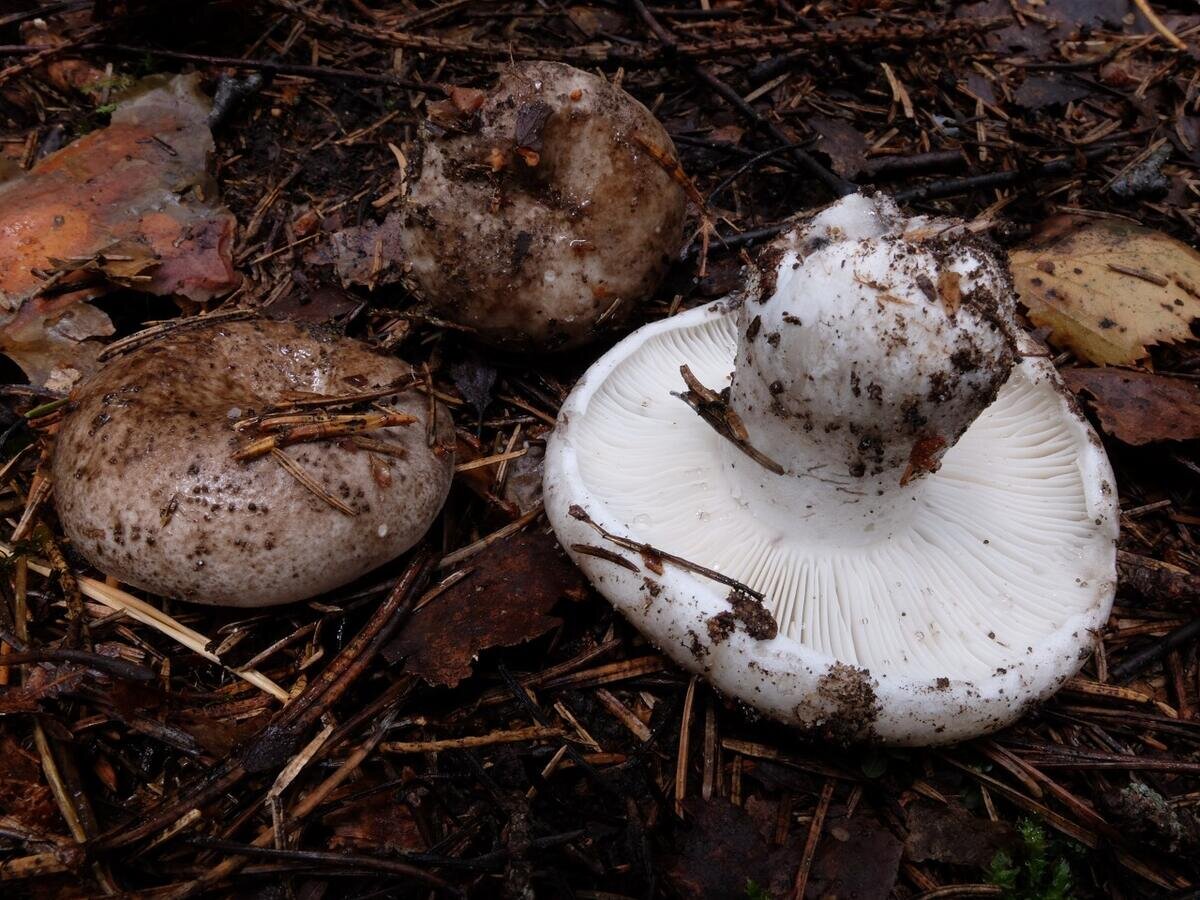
(555, 766)
(1108, 289)
(132, 205)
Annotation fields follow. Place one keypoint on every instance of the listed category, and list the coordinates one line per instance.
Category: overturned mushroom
(249, 463)
(541, 218)
(886, 526)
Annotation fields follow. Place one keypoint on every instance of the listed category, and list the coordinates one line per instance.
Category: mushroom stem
(871, 344)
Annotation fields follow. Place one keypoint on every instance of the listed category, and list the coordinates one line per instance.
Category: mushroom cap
(147, 489)
(912, 614)
(543, 256)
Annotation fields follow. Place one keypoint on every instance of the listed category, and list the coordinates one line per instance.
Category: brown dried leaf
(65, 73)
(723, 851)
(466, 100)
(844, 144)
(503, 602)
(1106, 289)
(130, 203)
(1140, 407)
(950, 834)
(377, 823)
(364, 254)
(857, 857)
(24, 796)
(1041, 91)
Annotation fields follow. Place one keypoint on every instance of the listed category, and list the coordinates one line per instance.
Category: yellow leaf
(1106, 289)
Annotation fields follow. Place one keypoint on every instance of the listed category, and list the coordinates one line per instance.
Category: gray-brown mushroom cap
(148, 491)
(544, 219)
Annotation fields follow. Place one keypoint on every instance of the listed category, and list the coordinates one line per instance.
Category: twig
(1180, 637)
(270, 65)
(658, 556)
(714, 409)
(837, 185)
(309, 483)
(810, 845)
(1158, 25)
(172, 325)
(453, 559)
(321, 429)
(513, 736)
(681, 754)
(140, 610)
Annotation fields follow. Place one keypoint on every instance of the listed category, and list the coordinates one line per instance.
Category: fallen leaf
(466, 100)
(1145, 815)
(318, 304)
(364, 254)
(474, 379)
(947, 833)
(1106, 288)
(856, 857)
(25, 798)
(844, 144)
(727, 134)
(64, 72)
(523, 486)
(1140, 407)
(722, 853)
(1041, 91)
(379, 822)
(504, 601)
(131, 204)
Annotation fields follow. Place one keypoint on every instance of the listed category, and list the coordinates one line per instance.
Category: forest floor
(526, 741)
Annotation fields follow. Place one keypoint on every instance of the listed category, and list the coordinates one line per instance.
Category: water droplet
(642, 521)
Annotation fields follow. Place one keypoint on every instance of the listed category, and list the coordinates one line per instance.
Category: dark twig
(714, 409)
(338, 860)
(109, 665)
(837, 185)
(278, 742)
(1180, 637)
(270, 65)
(938, 189)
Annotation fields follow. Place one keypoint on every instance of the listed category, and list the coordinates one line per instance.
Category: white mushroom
(887, 526)
(542, 220)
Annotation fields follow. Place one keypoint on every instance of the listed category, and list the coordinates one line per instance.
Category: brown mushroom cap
(545, 219)
(148, 491)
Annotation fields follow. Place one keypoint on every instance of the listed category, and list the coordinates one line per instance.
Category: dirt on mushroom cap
(540, 219)
(148, 491)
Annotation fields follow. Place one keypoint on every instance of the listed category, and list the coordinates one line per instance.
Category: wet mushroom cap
(542, 220)
(147, 488)
(914, 563)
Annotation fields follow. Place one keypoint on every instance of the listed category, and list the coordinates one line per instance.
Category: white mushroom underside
(1003, 552)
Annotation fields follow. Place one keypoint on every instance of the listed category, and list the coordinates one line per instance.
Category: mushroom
(159, 483)
(883, 523)
(542, 219)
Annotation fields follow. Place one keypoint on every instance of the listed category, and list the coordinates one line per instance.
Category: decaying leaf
(364, 254)
(25, 799)
(1042, 91)
(723, 854)
(474, 379)
(1107, 289)
(948, 833)
(131, 204)
(857, 857)
(844, 144)
(1140, 407)
(504, 601)
(67, 73)
(378, 822)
